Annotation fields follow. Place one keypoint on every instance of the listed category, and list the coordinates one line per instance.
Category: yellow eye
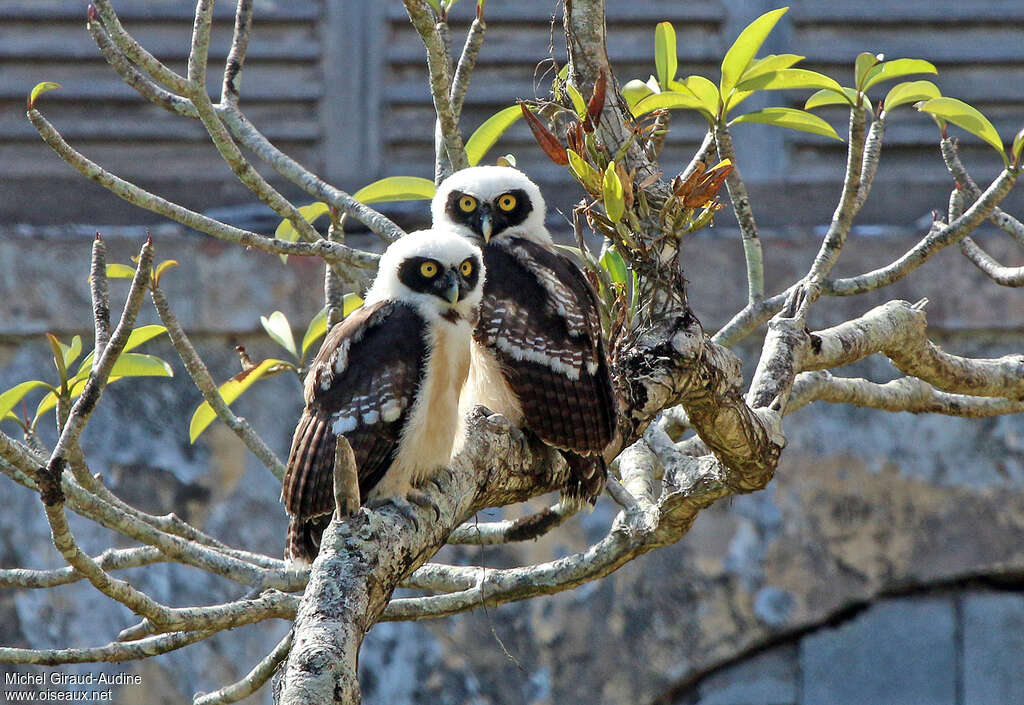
(467, 204)
(466, 268)
(507, 202)
(428, 269)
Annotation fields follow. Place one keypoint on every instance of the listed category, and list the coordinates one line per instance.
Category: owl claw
(422, 499)
(401, 504)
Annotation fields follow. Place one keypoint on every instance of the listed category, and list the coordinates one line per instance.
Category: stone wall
(883, 565)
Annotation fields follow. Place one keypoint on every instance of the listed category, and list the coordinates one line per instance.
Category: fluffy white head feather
(486, 184)
(449, 250)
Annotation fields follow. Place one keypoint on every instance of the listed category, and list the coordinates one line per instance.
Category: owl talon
(422, 499)
(401, 504)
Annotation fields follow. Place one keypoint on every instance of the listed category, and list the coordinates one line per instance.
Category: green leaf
(136, 338)
(315, 330)
(769, 64)
(735, 99)
(611, 190)
(865, 62)
(910, 92)
(280, 331)
(578, 104)
(57, 348)
(350, 303)
(586, 174)
(140, 365)
(39, 89)
(120, 271)
(50, 400)
(705, 91)
(967, 117)
(10, 398)
(1018, 145)
(889, 70)
(615, 265)
(71, 352)
(286, 231)
(488, 133)
(141, 335)
(396, 188)
(791, 118)
(665, 60)
(634, 91)
(577, 252)
(229, 391)
(789, 79)
(827, 96)
(127, 365)
(318, 326)
(737, 60)
(163, 267)
(671, 100)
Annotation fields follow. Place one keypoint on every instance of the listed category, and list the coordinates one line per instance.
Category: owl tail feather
(587, 476)
(304, 536)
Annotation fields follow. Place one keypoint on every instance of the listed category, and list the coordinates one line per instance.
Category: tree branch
(904, 394)
(927, 247)
(842, 218)
(205, 383)
(253, 681)
(744, 217)
(439, 67)
(899, 330)
(115, 652)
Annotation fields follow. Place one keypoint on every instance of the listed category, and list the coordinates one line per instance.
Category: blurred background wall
(885, 564)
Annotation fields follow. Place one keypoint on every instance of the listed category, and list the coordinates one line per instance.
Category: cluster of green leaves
(71, 385)
(742, 75)
(280, 331)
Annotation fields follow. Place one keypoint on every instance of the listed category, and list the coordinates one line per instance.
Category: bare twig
(100, 298)
(440, 80)
(329, 251)
(253, 680)
(525, 528)
(49, 478)
(1001, 275)
(903, 394)
(115, 652)
(964, 180)
(467, 62)
(744, 216)
(236, 56)
(899, 330)
(872, 157)
(111, 559)
(927, 247)
(842, 218)
(205, 383)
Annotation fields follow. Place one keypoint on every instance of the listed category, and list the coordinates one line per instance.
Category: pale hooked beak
(451, 292)
(486, 226)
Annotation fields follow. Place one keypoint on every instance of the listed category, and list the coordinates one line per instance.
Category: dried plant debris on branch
(689, 431)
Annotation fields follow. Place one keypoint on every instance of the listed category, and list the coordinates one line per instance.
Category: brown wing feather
(540, 319)
(361, 383)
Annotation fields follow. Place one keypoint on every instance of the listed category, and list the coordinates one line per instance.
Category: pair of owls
(479, 310)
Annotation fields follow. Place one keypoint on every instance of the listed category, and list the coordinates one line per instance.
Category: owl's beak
(451, 290)
(486, 226)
